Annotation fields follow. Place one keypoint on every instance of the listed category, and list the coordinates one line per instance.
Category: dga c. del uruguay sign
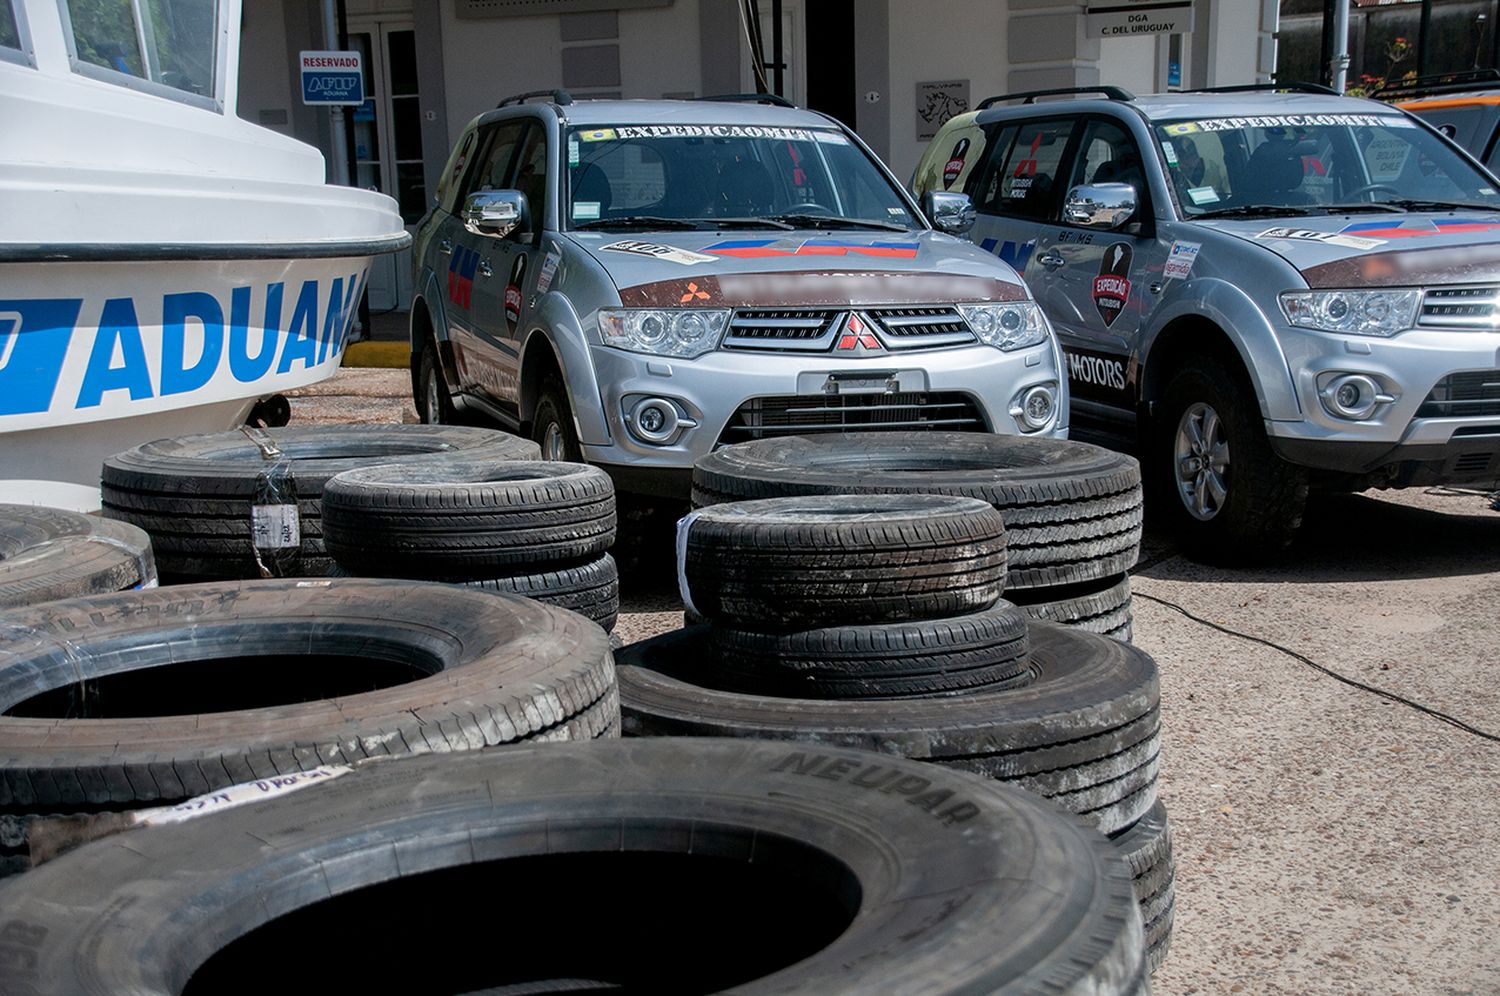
(1130, 18)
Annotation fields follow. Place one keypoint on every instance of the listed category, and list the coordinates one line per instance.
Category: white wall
(940, 40)
(659, 50)
(1129, 62)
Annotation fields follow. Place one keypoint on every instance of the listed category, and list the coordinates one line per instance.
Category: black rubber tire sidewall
(50, 553)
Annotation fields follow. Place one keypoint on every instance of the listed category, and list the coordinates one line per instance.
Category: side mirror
(949, 212)
(1100, 205)
(495, 213)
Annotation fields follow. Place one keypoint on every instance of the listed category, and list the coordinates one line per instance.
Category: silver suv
(1264, 291)
(637, 282)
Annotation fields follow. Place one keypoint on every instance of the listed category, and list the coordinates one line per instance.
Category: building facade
(892, 69)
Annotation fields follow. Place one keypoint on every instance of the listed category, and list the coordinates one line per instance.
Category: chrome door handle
(485, 270)
(446, 247)
(1051, 260)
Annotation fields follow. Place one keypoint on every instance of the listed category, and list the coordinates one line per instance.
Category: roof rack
(560, 97)
(751, 98)
(1437, 83)
(1030, 96)
(1293, 87)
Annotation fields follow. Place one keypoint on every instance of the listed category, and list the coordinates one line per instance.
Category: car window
(703, 172)
(983, 186)
(491, 169)
(448, 183)
(1025, 183)
(1107, 154)
(531, 173)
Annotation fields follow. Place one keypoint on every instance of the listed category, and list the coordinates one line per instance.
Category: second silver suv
(638, 282)
(1265, 291)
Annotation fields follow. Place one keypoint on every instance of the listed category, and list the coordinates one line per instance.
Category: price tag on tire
(275, 527)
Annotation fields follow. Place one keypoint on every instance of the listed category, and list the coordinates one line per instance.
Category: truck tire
(193, 494)
(49, 553)
(797, 563)
(937, 884)
(983, 650)
(1084, 731)
(1101, 607)
(1225, 494)
(1072, 511)
(1147, 848)
(118, 701)
(462, 520)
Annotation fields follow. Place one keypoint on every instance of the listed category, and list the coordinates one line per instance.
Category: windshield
(1315, 163)
(710, 176)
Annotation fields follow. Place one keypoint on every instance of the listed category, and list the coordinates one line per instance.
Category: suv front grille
(1460, 307)
(796, 415)
(817, 330)
(1463, 395)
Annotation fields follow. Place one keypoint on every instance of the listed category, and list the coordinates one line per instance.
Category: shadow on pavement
(1358, 538)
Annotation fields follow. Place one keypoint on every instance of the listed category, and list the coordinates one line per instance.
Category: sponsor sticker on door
(1112, 285)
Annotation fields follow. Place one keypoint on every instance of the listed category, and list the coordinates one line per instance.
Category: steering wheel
(1370, 188)
(809, 208)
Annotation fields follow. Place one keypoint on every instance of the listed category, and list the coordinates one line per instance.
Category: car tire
(194, 494)
(312, 673)
(49, 553)
(552, 424)
(434, 400)
(467, 520)
(1147, 848)
(1084, 731)
(985, 650)
(799, 563)
(1102, 607)
(936, 883)
(1072, 511)
(1244, 503)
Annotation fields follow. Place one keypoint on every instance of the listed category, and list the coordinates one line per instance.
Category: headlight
(1007, 326)
(685, 332)
(1357, 312)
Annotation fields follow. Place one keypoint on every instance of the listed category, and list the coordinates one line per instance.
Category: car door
(1100, 286)
(516, 271)
(1014, 191)
(474, 263)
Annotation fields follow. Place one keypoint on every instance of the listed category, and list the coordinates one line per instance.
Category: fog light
(1351, 396)
(655, 421)
(1034, 408)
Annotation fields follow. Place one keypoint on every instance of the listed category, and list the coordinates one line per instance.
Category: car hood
(810, 268)
(1380, 250)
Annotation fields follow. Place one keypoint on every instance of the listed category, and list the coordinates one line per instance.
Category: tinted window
(1107, 154)
(491, 168)
(1026, 182)
(531, 174)
(180, 40)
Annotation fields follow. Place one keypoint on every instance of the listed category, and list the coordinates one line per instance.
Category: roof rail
(560, 97)
(1112, 92)
(1437, 83)
(1293, 87)
(751, 98)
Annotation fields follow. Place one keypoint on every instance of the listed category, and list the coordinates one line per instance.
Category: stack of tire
(1072, 511)
(51, 553)
(112, 703)
(248, 503)
(872, 621)
(521, 527)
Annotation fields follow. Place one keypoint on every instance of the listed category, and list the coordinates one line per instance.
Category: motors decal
(1420, 229)
(461, 275)
(512, 297)
(1331, 238)
(773, 248)
(1180, 260)
(123, 354)
(1017, 254)
(671, 254)
(1099, 371)
(1112, 285)
(1024, 174)
(955, 163)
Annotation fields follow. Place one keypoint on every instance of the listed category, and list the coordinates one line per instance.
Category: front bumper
(1406, 367)
(709, 390)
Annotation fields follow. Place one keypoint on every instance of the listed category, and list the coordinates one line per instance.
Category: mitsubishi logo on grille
(858, 337)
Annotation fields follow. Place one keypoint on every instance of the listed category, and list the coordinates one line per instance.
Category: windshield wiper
(744, 223)
(1411, 204)
(829, 221)
(643, 221)
(1253, 211)
(1365, 207)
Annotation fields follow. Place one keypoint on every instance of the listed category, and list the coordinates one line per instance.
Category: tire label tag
(238, 795)
(275, 527)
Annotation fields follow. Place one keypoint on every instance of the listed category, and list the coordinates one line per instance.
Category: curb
(390, 355)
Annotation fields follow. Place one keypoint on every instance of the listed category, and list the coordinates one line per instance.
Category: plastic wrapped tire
(50, 553)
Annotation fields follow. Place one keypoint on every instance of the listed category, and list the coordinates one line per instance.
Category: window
(491, 170)
(172, 43)
(1108, 154)
(531, 174)
(10, 32)
(454, 170)
(1022, 179)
